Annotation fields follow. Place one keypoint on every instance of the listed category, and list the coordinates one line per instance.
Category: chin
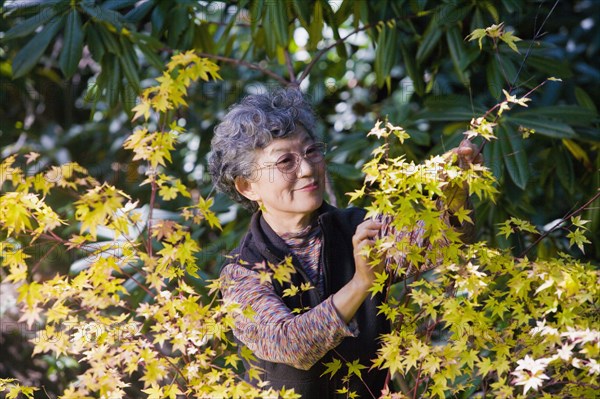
(311, 205)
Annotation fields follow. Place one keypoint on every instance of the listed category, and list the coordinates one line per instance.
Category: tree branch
(326, 49)
(249, 65)
(290, 67)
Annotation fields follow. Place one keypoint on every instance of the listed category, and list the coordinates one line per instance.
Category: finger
(358, 239)
(367, 232)
(361, 245)
(368, 227)
(370, 223)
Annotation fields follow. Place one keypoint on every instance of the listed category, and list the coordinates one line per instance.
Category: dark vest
(261, 243)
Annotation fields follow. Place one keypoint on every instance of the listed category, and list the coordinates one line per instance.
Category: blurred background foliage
(70, 72)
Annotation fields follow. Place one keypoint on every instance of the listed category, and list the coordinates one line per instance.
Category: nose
(304, 168)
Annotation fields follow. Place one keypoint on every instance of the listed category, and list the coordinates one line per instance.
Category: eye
(312, 150)
(315, 152)
(286, 161)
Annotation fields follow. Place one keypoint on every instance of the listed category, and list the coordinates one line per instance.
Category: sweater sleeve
(276, 334)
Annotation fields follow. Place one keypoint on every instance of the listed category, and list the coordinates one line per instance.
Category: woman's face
(293, 195)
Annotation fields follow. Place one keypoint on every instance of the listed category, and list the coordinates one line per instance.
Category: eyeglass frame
(298, 158)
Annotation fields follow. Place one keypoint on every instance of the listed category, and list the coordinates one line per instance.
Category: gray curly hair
(249, 125)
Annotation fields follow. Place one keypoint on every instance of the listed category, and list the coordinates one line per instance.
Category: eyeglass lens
(289, 162)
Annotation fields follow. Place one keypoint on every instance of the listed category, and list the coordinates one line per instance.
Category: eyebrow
(286, 149)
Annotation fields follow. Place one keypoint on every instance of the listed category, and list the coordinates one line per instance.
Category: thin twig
(559, 225)
(536, 36)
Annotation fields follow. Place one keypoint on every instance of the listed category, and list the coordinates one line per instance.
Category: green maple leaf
(463, 214)
(485, 366)
(508, 38)
(332, 368)
(355, 367)
(477, 34)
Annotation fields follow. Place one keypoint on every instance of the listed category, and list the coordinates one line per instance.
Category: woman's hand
(366, 234)
(468, 153)
(349, 298)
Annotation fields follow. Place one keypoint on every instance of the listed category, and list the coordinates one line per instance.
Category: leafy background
(70, 72)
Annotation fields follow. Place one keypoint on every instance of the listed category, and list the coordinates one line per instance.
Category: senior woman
(266, 157)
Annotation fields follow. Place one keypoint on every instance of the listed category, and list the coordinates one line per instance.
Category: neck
(283, 224)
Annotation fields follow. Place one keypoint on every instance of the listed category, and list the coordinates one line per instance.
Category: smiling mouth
(309, 187)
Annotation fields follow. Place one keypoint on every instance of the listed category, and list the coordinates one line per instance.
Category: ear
(246, 188)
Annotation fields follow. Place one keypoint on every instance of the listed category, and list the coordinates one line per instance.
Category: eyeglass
(289, 162)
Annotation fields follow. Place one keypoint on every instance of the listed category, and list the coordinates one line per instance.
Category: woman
(266, 157)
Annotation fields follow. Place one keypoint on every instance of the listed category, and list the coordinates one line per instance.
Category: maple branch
(559, 225)
(290, 67)
(249, 65)
(142, 286)
(150, 211)
(489, 111)
(34, 268)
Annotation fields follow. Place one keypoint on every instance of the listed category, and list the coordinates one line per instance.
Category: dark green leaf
(149, 41)
(477, 21)
(203, 39)
(344, 11)
(344, 170)
(179, 21)
(105, 15)
(588, 133)
(570, 114)
(419, 137)
(108, 39)
(492, 155)
(158, 18)
(451, 15)
(315, 30)
(277, 19)
(140, 11)
(551, 67)
(412, 69)
(512, 5)
(331, 21)
(29, 55)
(30, 25)
(457, 53)
(72, 45)
(256, 14)
(544, 127)
(302, 10)
(584, 99)
(151, 56)
(16, 5)
(430, 39)
(494, 78)
(513, 154)
(564, 170)
(507, 69)
(113, 80)
(385, 53)
(593, 211)
(129, 65)
(118, 4)
(94, 42)
(129, 97)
